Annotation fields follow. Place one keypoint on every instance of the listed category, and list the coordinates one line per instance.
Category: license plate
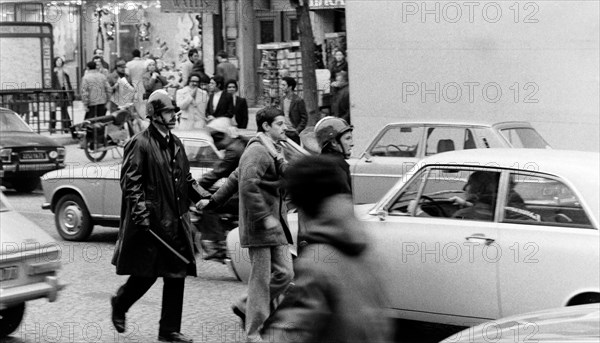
(9, 273)
(33, 155)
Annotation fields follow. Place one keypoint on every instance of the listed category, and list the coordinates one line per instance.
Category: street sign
(193, 6)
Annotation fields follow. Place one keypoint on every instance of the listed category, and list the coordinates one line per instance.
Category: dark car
(24, 154)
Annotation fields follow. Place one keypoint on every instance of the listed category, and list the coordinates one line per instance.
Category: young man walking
(293, 108)
(263, 219)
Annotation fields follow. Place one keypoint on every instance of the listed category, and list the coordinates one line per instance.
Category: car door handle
(480, 237)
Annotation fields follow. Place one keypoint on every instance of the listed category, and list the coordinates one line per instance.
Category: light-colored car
(580, 324)
(527, 255)
(29, 262)
(399, 146)
(91, 194)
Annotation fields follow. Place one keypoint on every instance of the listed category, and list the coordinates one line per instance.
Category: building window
(267, 31)
(26, 12)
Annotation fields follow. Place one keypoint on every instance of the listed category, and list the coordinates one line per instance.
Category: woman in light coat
(192, 101)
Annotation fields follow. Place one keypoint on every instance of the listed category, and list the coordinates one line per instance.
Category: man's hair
(96, 50)
(191, 52)
(91, 65)
(136, 53)
(120, 62)
(312, 179)
(290, 81)
(267, 115)
(230, 82)
(222, 54)
(202, 78)
(219, 81)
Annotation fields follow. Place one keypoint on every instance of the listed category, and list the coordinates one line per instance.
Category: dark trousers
(95, 111)
(65, 118)
(210, 226)
(172, 299)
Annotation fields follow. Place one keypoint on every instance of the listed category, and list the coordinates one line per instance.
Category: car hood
(20, 234)
(21, 138)
(567, 324)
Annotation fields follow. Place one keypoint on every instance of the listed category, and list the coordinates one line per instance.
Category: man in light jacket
(192, 101)
(263, 219)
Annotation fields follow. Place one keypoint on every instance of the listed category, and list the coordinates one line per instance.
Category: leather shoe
(118, 317)
(236, 310)
(174, 337)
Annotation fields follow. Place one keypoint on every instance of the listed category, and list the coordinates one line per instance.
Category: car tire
(11, 319)
(26, 185)
(72, 218)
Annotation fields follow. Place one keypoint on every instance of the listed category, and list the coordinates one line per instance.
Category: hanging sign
(326, 4)
(193, 6)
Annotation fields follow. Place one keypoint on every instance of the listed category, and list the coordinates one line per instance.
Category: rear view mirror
(406, 129)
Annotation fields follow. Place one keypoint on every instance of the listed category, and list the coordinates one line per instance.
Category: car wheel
(10, 319)
(91, 153)
(26, 185)
(72, 218)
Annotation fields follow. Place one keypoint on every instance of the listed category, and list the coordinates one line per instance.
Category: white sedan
(537, 253)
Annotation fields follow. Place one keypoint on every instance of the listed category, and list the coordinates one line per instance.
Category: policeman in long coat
(157, 189)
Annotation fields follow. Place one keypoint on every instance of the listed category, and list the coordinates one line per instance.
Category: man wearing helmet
(334, 136)
(225, 137)
(157, 188)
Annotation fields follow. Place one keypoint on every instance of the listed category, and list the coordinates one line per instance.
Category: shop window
(7, 12)
(26, 12)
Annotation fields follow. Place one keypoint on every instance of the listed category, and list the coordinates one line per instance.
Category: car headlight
(62, 153)
(53, 154)
(5, 155)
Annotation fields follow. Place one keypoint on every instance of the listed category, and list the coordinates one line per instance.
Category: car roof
(478, 123)
(580, 168)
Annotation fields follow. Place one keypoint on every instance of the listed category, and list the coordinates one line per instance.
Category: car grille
(33, 156)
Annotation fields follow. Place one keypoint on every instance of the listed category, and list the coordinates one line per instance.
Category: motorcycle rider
(225, 137)
(334, 136)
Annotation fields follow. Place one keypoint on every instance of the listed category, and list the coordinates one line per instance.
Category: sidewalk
(78, 116)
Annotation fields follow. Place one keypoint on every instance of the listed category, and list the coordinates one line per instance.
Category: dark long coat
(157, 190)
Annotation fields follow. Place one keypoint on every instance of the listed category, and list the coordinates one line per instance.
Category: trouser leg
(172, 305)
(270, 274)
(66, 119)
(132, 291)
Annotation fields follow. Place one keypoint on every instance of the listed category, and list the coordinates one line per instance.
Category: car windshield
(11, 122)
(527, 138)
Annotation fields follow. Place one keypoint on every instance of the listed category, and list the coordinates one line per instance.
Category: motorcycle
(99, 135)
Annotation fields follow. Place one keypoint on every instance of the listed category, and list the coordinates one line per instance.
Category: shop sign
(326, 4)
(193, 6)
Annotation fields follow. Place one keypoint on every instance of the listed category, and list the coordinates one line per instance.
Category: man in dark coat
(293, 108)
(335, 139)
(157, 188)
(220, 103)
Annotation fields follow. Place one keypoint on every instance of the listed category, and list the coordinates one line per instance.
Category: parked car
(29, 262)
(579, 324)
(536, 253)
(91, 195)
(399, 146)
(24, 154)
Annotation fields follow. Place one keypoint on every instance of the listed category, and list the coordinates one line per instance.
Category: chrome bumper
(15, 295)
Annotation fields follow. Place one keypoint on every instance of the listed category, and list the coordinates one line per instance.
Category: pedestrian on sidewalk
(61, 81)
(136, 69)
(220, 103)
(337, 294)
(157, 188)
(95, 92)
(240, 106)
(226, 69)
(123, 91)
(263, 220)
(192, 101)
(293, 108)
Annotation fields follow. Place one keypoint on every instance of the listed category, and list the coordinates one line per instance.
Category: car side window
(541, 200)
(397, 141)
(456, 193)
(400, 205)
(200, 153)
(524, 138)
(442, 139)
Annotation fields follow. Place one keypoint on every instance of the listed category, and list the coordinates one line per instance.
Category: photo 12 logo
(469, 91)
(453, 12)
